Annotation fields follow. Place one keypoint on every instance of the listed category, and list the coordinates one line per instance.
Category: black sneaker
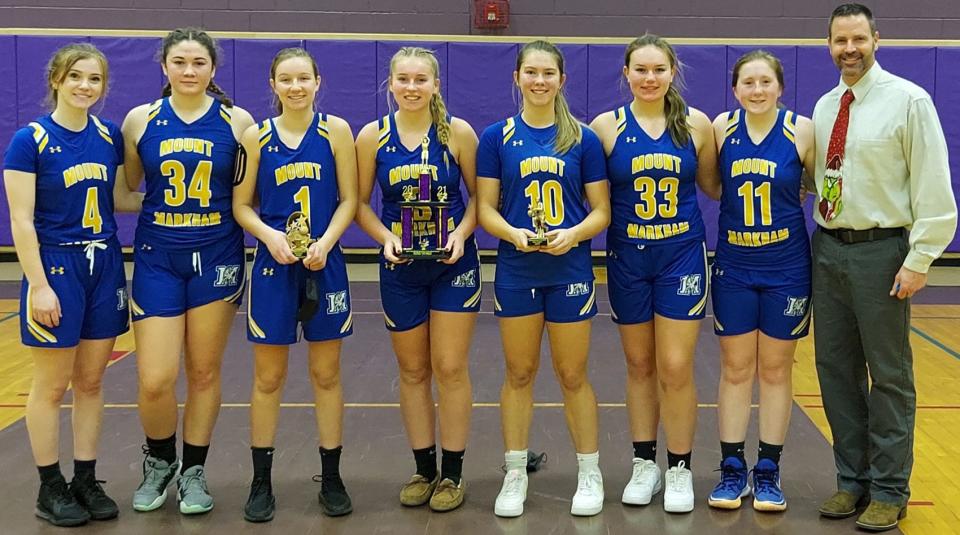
(56, 505)
(89, 493)
(333, 496)
(261, 503)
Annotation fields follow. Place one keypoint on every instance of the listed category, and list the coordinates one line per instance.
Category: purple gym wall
(476, 82)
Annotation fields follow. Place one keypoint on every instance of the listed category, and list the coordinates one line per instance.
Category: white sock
(588, 462)
(516, 460)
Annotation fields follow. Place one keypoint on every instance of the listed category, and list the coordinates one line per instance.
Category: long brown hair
(674, 107)
(569, 132)
(283, 55)
(66, 57)
(438, 109)
(196, 35)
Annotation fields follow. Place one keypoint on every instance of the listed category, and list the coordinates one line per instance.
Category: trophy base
(538, 241)
(424, 254)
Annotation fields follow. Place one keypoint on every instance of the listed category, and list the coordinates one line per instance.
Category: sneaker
(333, 496)
(192, 492)
(261, 503)
(588, 500)
(732, 487)
(447, 496)
(767, 495)
(89, 493)
(512, 494)
(418, 490)
(643, 484)
(57, 505)
(678, 489)
(157, 474)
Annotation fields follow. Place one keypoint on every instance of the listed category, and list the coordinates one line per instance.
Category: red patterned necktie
(830, 204)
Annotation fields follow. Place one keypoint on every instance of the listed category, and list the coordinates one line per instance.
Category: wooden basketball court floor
(377, 460)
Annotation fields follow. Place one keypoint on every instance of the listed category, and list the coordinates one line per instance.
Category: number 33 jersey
(188, 170)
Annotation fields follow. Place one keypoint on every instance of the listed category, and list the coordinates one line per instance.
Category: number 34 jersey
(188, 170)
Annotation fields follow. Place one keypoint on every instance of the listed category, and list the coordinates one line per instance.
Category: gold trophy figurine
(298, 234)
(535, 211)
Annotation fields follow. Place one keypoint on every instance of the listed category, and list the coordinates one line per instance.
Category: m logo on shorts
(122, 298)
(337, 302)
(796, 306)
(689, 285)
(227, 276)
(465, 280)
(578, 288)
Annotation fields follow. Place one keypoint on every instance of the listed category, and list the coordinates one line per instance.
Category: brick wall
(902, 19)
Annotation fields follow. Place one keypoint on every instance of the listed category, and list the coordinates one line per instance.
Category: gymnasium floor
(377, 460)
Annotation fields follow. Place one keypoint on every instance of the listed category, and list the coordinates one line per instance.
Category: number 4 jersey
(188, 169)
(75, 173)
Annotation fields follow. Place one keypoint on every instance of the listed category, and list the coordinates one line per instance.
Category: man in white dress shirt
(885, 211)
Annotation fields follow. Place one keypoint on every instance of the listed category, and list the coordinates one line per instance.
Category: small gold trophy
(298, 234)
(535, 211)
(432, 211)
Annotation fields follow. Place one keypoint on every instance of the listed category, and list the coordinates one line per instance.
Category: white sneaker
(678, 490)
(588, 500)
(512, 494)
(643, 484)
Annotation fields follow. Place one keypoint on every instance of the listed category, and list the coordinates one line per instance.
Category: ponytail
(675, 110)
(569, 131)
(219, 94)
(438, 112)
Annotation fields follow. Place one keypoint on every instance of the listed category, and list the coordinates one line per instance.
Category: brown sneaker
(447, 496)
(843, 504)
(881, 516)
(418, 490)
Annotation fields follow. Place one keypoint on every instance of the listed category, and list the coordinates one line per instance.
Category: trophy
(535, 211)
(298, 234)
(415, 234)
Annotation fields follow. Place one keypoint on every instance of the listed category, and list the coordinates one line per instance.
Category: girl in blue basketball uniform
(761, 274)
(64, 178)
(300, 161)
(658, 151)
(429, 307)
(543, 157)
(188, 262)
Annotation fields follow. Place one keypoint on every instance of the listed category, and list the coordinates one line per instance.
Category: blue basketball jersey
(653, 192)
(529, 169)
(399, 167)
(303, 179)
(761, 220)
(75, 174)
(188, 169)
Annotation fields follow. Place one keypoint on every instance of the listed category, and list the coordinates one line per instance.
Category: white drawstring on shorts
(90, 251)
(197, 263)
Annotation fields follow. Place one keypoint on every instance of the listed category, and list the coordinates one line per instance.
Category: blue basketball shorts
(776, 302)
(561, 303)
(92, 289)
(410, 291)
(278, 291)
(664, 278)
(168, 283)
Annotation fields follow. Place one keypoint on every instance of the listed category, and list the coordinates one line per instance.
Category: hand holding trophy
(535, 211)
(421, 202)
(298, 234)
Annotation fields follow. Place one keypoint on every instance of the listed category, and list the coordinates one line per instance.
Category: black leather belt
(856, 236)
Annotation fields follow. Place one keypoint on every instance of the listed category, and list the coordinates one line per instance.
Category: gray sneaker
(152, 492)
(192, 492)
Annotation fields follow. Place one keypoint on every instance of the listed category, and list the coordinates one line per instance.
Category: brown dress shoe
(447, 496)
(881, 516)
(418, 490)
(842, 504)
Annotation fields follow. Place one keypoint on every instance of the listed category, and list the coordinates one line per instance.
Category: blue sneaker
(767, 495)
(732, 486)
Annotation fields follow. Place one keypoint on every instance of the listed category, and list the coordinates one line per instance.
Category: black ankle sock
(163, 448)
(426, 459)
(451, 465)
(769, 451)
(733, 449)
(645, 450)
(673, 459)
(193, 456)
(330, 462)
(84, 467)
(50, 473)
(262, 462)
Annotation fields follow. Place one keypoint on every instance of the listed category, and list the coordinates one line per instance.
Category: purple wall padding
(476, 80)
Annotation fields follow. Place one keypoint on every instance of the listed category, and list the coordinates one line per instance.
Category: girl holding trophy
(540, 166)
(301, 167)
(430, 306)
